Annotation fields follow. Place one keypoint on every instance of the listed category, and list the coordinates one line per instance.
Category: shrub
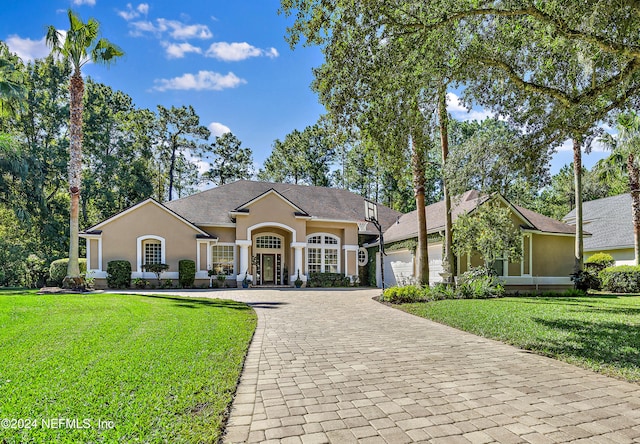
(58, 270)
(156, 269)
(404, 295)
(585, 280)
(599, 262)
(119, 274)
(441, 291)
(186, 273)
(479, 283)
(140, 283)
(328, 280)
(166, 283)
(621, 279)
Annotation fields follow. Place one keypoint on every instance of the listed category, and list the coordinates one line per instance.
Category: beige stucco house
(547, 246)
(269, 232)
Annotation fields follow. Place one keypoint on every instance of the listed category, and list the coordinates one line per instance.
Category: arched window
(150, 250)
(323, 253)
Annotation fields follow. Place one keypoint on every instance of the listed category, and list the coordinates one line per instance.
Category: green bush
(621, 279)
(119, 274)
(58, 270)
(186, 273)
(405, 295)
(441, 291)
(328, 280)
(479, 283)
(599, 262)
(584, 280)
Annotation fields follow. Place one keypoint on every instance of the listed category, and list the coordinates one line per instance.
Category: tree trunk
(422, 251)
(577, 174)
(634, 185)
(443, 119)
(172, 166)
(76, 88)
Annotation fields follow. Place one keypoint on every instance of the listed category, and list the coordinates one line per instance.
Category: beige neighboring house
(610, 223)
(547, 246)
(269, 232)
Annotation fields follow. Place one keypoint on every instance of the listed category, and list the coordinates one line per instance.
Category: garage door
(398, 267)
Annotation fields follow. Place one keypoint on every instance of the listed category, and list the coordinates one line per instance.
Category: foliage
(165, 381)
(231, 162)
(490, 231)
(328, 280)
(156, 269)
(479, 283)
(621, 279)
(119, 274)
(584, 280)
(186, 273)
(58, 270)
(599, 332)
(406, 294)
(599, 261)
(140, 283)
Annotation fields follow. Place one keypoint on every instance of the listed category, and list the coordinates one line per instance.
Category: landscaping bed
(119, 368)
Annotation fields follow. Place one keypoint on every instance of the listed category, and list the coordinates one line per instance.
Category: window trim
(323, 246)
(365, 261)
(234, 260)
(140, 250)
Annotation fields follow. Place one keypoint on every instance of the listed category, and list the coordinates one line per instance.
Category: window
(223, 259)
(271, 242)
(323, 254)
(152, 252)
(363, 256)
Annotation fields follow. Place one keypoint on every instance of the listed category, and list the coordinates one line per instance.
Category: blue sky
(228, 59)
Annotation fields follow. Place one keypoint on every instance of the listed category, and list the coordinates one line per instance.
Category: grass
(160, 368)
(601, 333)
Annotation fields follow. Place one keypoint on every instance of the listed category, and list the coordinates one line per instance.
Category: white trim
(350, 247)
(164, 275)
(265, 194)
(537, 280)
(266, 233)
(235, 256)
(549, 233)
(220, 225)
(323, 247)
(598, 250)
(270, 224)
(144, 202)
(342, 221)
(139, 252)
(366, 255)
(98, 274)
(242, 243)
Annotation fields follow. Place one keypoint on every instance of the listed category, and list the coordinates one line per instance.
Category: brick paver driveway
(336, 366)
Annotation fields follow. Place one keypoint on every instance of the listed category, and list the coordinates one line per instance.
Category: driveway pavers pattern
(336, 366)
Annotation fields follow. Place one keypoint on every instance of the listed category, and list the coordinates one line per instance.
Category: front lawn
(601, 333)
(118, 368)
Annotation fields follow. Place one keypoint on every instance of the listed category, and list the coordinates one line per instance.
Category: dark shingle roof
(608, 220)
(212, 207)
(407, 225)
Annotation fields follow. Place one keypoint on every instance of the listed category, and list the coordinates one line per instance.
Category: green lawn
(159, 368)
(601, 333)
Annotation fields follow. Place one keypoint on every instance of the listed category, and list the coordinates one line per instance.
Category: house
(547, 245)
(268, 232)
(610, 223)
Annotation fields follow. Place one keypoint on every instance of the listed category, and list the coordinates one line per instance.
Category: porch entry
(269, 269)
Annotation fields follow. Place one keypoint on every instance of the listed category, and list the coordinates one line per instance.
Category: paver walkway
(336, 366)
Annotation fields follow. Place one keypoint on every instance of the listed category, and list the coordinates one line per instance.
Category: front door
(268, 268)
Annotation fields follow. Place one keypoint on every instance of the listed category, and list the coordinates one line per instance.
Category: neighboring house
(610, 223)
(269, 232)
(547, 246)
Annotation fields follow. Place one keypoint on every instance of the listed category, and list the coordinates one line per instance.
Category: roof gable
(140, 205)
(270, 192)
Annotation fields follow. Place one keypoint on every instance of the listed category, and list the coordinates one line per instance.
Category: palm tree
(625, 155)
(12, 90)
(80, 45)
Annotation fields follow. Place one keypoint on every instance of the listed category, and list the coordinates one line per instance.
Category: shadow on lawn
(198, 302)
(612, 343)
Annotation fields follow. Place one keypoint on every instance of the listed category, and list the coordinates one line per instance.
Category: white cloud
(233, 52)
(84, 2)
(27, 49)
(218, 129)
(182, 31)
(459, 111)
(202, 81)
(176, 29)
(131, 12)
(178, 50)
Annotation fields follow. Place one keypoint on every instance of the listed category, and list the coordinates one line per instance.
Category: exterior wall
(552, 255)
(224, 234)
(624, 256)
(271, 208)
(119, 237)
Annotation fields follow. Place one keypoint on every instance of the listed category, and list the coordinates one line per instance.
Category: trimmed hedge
(119, 274)
(599, 261)
(621, 279)
(58, 270)
(186, 273)
(328, 280)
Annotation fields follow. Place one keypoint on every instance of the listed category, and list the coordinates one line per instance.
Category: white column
(244, 259)
(297, 261)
